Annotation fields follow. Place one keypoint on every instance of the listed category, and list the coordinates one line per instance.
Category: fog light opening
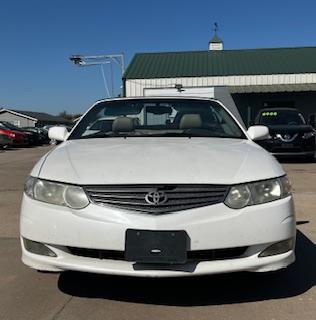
(38, 248)
(278, 248)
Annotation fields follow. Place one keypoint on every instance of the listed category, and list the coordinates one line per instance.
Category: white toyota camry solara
(158, 187)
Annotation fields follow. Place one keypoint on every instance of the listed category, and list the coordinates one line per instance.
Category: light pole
(101, 60)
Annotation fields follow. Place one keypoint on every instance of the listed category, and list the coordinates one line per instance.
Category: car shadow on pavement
(199, 291)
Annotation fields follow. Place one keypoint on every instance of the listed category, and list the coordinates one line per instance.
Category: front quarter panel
(35, 172)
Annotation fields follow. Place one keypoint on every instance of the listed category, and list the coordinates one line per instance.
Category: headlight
(243, 195)
(238, 197)
(308, 135)
(56, 193)
(265, 191)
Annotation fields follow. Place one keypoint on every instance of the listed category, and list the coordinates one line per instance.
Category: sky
(37, 37)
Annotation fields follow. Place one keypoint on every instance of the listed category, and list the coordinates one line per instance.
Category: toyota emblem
(156, 198)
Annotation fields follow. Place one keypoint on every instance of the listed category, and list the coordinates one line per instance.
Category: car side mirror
(58, 133)
(258, 133)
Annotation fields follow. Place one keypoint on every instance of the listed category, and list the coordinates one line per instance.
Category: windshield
(281, 117)
(157, 118)
(5, 124)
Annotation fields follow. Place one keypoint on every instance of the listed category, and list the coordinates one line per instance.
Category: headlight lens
(265, 191)
(75, 197)
(29, 186)
(56, 193)
(286, 186)
(308, 135)
(238, 197)
(243, 195)
(49, 192)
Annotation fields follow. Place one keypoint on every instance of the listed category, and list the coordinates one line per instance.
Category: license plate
(159, 247)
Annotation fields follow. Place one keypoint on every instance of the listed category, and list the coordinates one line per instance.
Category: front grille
(177, 197)
(216, 254)
(96, 253)
(195, 255)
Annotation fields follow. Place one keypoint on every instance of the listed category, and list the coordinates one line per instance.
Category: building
(30, 118)
(256, 78)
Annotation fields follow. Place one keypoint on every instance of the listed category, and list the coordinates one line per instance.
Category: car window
(281, 117)
(157, 117)
(10, 125)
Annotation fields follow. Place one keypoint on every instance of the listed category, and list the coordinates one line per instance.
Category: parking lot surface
(27, 294)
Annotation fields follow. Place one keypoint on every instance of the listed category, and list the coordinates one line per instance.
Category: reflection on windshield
(157, 118)
(281, 117)
(8, 125)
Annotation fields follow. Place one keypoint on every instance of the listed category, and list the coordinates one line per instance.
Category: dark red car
(17, 138)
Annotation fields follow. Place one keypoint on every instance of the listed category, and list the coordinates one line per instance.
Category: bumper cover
(299, 147)
(212, 227)
(65, 261)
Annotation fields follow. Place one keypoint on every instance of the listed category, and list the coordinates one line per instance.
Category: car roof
(157, 98)
(279, 109)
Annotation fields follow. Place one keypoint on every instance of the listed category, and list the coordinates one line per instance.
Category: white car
(173, 187)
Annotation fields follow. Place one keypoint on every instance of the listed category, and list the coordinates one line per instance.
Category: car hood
(158, 161)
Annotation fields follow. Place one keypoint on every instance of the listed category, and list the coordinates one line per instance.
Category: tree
(68, 116)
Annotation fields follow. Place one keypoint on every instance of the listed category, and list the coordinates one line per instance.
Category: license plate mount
(156, 247)
(287, 145)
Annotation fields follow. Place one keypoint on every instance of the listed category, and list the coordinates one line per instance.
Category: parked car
(290, 134)
(18, 139)
(31, 137)
(179, 192)
(47, 127)
(5, 140)
(42, 134)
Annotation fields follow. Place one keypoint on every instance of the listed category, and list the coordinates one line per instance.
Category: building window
(17, 123)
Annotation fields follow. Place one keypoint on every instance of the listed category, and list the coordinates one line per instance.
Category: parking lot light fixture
(101, 60)
(76, 59)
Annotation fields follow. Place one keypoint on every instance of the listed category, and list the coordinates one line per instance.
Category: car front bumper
(104, 228)
(294, 154)
(296, 148)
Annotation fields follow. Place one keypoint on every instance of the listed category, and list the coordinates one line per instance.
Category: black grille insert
(196, 255)
(177, 197)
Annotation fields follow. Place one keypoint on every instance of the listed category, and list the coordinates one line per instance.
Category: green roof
(222, 63)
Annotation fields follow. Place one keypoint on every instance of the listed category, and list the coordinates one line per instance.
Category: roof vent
(216, 43)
